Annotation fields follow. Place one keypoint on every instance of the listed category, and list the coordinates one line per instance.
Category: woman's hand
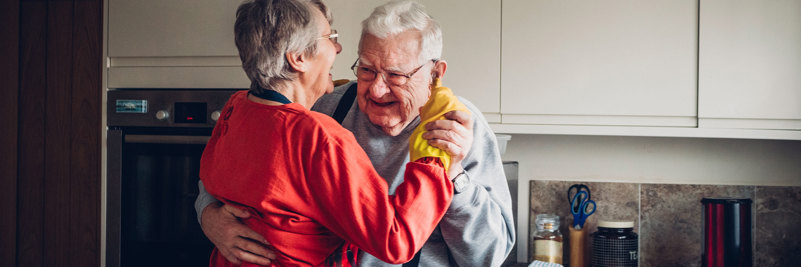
(235, 241)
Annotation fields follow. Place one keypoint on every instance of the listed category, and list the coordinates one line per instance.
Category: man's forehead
(394, 52)
(389, 65)
(364, 60)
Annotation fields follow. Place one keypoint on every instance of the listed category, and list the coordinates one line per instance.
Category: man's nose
(338, 47)
(378, 88)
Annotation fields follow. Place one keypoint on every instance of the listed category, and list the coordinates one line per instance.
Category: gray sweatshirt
(477, 229)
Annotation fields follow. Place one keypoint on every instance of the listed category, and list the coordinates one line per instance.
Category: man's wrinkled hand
(235, 241)
(454, 135)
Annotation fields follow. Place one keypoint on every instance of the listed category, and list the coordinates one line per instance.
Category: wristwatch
(460, 182)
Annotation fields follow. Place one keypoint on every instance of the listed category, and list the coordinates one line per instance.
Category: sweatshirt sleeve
(203, 200)
(352, 200)
(479, 227)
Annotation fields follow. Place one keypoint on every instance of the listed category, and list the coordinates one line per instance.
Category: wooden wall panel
(86, 135)
(58, 108)
(51, 179)
(9, 89)
(33, 62)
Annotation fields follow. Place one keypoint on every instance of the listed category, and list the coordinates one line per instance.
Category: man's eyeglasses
(367, 74)
(333, 36)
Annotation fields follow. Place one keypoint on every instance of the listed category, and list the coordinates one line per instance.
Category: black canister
(614, 244)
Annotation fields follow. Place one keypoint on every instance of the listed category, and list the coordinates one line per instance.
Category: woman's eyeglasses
(333, 36)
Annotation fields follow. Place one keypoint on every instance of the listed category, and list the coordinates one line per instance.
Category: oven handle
(167, 139)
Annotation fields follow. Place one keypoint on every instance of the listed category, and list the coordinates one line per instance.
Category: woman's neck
(293, 91)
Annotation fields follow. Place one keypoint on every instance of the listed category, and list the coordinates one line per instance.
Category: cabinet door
(174, 28)
(750, 64)
(471, 45)
(615, 62)
(173, 44)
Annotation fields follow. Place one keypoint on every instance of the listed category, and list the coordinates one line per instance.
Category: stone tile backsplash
(777, 236)
(672, 221)
(669, 218)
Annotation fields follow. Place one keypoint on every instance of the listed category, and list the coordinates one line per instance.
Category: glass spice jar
(547, 239)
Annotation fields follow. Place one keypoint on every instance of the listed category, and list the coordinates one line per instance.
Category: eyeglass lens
(396, 79)
(333, 36)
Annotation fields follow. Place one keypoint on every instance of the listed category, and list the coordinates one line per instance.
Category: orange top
(312, 191)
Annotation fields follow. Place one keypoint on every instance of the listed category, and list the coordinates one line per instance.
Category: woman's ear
(298, 61)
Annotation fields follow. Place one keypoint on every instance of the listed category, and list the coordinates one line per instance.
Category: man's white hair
(402, 15)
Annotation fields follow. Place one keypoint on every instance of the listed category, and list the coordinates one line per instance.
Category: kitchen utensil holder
(578, 247)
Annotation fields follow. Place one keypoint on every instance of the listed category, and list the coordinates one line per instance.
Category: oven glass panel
(159, 223)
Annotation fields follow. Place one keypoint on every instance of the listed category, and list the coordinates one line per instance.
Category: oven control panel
(166, 108)
(190, 112)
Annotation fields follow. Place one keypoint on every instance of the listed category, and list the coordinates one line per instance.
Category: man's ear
(438, 71)
(298, 61)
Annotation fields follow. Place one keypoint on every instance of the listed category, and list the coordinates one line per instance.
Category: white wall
(656, 159)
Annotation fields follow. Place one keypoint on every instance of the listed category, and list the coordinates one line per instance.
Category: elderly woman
(312, 191)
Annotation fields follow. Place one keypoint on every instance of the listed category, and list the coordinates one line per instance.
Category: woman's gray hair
(399, 16)
(266, 30)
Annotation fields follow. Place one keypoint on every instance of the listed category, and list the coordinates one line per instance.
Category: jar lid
(616, 224)
(547, 218)
(725, 200)
(543, 219)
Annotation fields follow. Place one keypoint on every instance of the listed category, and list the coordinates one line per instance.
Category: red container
(727, 232)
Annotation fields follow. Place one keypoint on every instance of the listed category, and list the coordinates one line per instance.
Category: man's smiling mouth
(382, 104)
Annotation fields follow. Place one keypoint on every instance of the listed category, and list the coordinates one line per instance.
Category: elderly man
(399, 58)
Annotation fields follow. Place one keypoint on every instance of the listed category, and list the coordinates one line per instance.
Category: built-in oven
(155, 141)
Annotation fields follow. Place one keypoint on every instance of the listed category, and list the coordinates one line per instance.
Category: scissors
(574, 189)
(581, 206)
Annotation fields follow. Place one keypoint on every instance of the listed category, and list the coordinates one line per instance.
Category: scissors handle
(575, 189)
(578, 203)
(586, 206)
(581, 207)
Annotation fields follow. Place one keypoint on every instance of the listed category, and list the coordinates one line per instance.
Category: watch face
(460, 182)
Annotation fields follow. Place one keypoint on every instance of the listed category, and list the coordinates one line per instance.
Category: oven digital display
(190, 112)
(131, 106)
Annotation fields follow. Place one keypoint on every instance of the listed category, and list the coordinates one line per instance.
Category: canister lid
(725, 200)
(615, 224)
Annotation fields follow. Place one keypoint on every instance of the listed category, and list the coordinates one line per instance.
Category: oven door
(152, 186)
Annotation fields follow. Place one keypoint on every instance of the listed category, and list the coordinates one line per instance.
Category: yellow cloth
(441, 101)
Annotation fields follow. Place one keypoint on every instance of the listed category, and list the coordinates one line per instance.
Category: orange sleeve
(353, 202)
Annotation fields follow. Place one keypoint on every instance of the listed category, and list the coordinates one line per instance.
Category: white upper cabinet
(471, 45)
(750, 64)
(173, 28)
(173, 44)
(616, 62)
